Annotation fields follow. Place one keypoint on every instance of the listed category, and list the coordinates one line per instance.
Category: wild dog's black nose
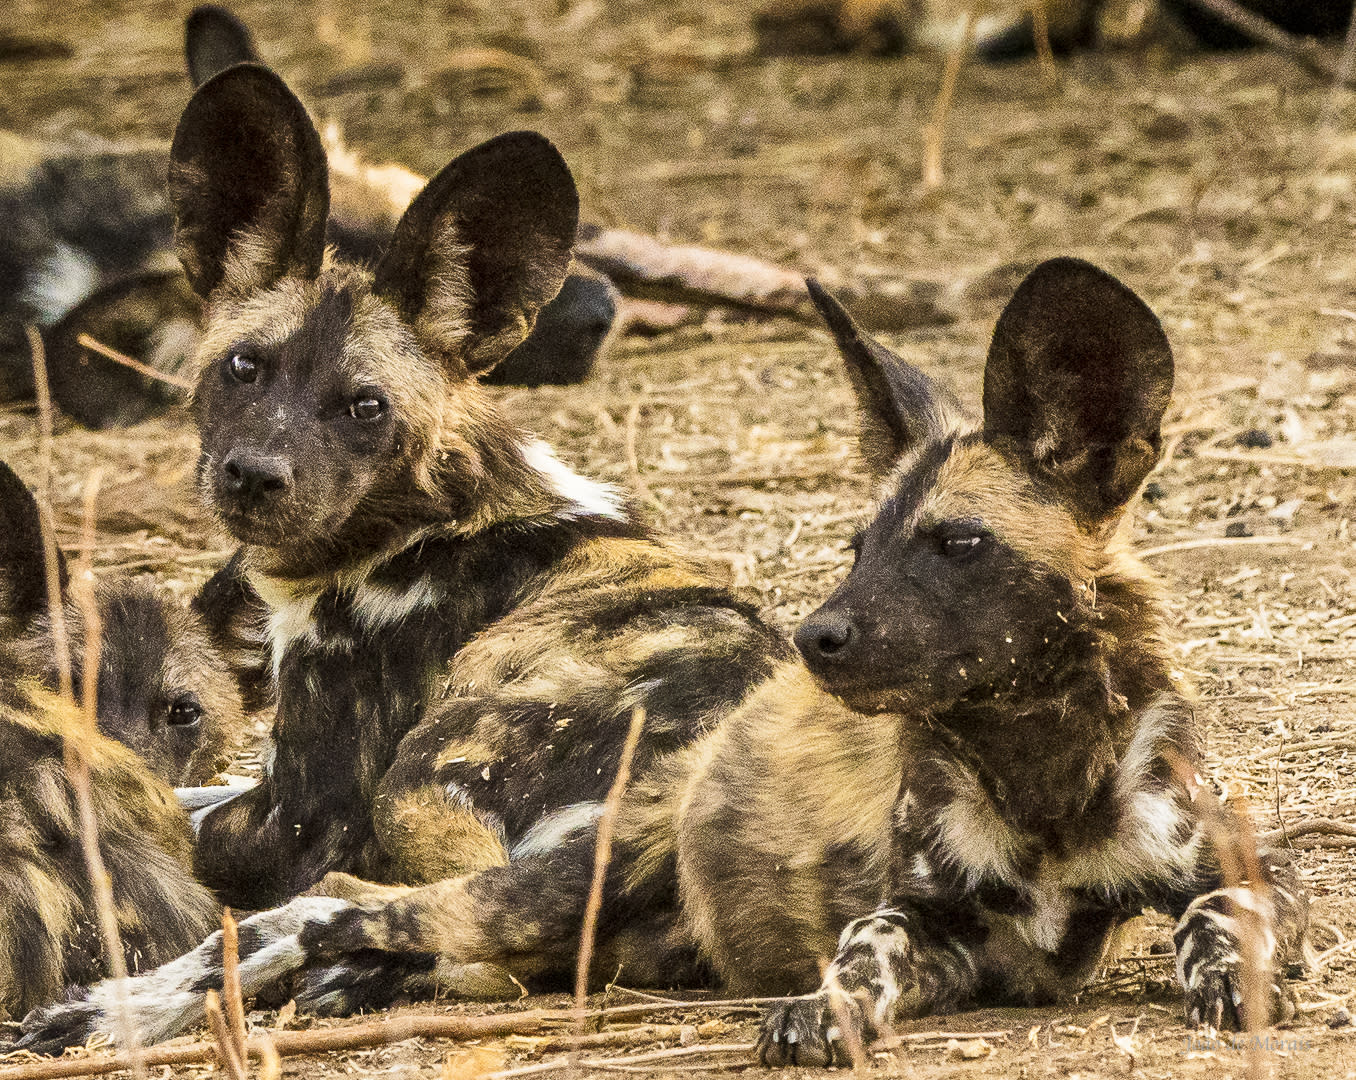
(254, 476)
(826, 637)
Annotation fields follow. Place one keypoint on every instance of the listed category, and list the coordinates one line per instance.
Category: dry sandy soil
(1222, 189)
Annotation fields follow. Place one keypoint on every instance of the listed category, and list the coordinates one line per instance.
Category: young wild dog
(983, 765)
(433, 574)
(163, 704)
(987, 761)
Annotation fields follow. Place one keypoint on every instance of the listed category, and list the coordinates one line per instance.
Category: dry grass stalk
(230, 983)
(1231, 835)
(109, 353)
(228, 1057)
(77, 768)
(602, 856)
(638, 484)
(55, 609)
(1217, 541)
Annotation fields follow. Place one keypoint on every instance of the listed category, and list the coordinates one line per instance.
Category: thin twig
(77, 772)
(601, 857)
(1311, 827)
(620, 1064)
(87, 342)
(1217, 541)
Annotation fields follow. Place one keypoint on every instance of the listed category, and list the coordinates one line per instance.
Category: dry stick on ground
(77, 768)
(1304, 51)
(1311, 827)
(602, 855)
(361, 1036)
(1217, 541)
(621, 1063)
(87, 342)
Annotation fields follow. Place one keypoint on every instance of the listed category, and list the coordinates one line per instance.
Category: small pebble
(1153, 491)
(1237, 528)
(1341, 1018)
(1255, 439)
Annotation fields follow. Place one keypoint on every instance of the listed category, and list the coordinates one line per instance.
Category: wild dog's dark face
(332, 399)
(162, 689)
(986, 537)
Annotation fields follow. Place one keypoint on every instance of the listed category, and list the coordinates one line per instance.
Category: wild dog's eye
(184, 711)
(956, 546)
(366, 408)
(242, 368)
(958, 539)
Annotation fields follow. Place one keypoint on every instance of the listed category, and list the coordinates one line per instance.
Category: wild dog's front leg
(1224, 931)
(889, 966)
(485, 934)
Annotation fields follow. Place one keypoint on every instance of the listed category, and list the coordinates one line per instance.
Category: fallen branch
(645, 267)
(362, 1036)
(623, 1063)
(1310, 827)
(1306, 52)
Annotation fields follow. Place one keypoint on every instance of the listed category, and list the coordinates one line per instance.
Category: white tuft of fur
(582, 497)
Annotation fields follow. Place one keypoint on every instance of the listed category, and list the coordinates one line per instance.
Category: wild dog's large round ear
(249, 184)
(482, 248)
(23, 576)
(1078, 378)
(214, 40)
(901, 410)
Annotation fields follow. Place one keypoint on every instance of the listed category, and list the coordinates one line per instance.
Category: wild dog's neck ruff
(1046, 741)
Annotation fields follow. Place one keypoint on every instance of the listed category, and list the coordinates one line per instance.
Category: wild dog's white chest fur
(1149, 835)
(291, 612)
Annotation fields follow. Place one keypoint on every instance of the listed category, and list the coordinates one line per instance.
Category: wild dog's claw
(809, 1031)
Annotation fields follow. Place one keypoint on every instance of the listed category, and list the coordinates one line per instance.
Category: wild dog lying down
(426, 564)
(163, 704)
(981, 769)
(987, 762)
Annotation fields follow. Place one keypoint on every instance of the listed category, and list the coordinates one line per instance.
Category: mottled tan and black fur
(983, 765)
(988, 760)
(461, 626)
(164, 705)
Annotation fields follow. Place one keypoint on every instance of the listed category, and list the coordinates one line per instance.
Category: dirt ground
(1222, 189)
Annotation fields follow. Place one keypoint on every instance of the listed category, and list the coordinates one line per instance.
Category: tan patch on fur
(978, 482)
(789, 777)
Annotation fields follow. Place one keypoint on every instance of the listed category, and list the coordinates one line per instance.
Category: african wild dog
(164, 704)
(983, 765)
(987, 761)
(461, 625)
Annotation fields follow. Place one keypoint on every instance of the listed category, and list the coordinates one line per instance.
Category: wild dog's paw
(1213, 939)
(818, 1030)
(366, 980)
(50, 1029)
